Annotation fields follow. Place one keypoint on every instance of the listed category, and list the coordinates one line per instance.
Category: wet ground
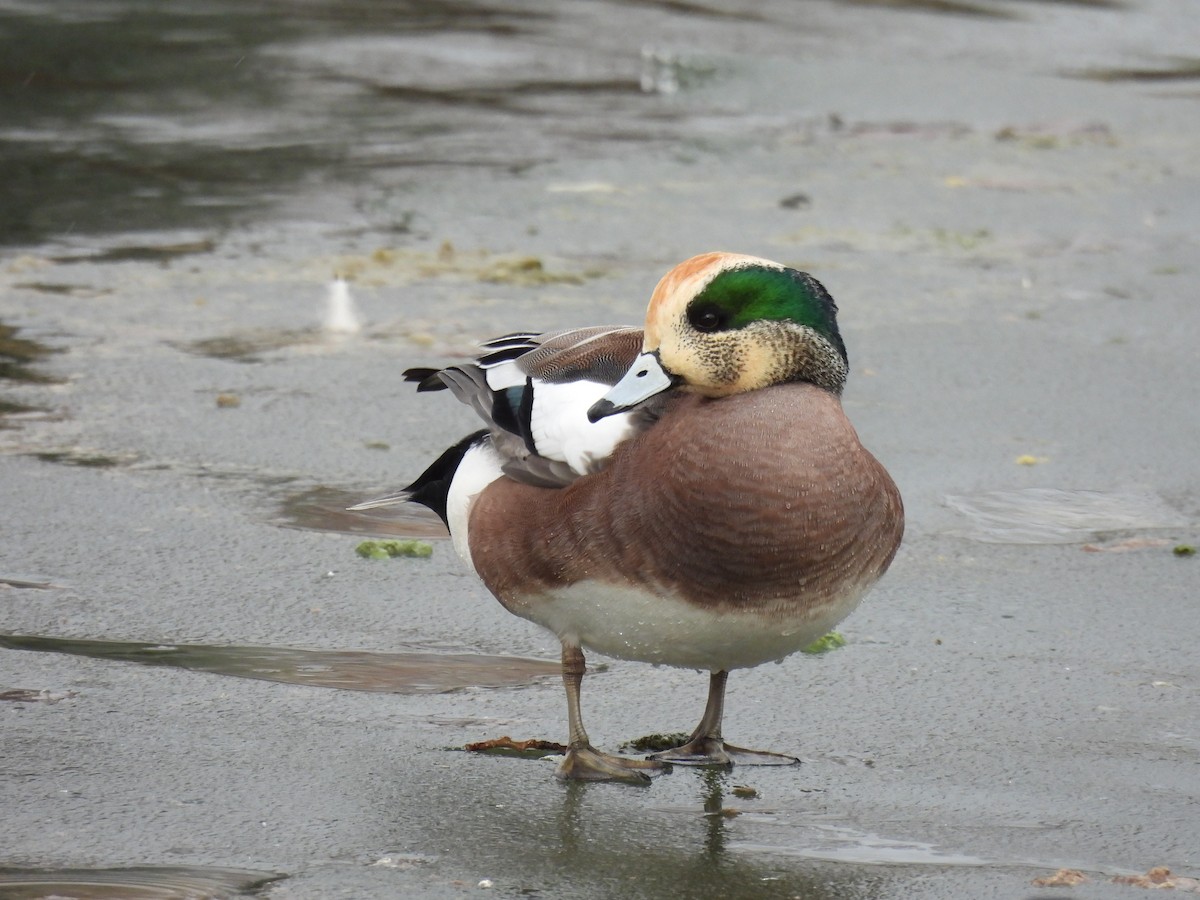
(1003, 196)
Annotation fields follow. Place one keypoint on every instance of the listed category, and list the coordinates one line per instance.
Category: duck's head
(723, 323)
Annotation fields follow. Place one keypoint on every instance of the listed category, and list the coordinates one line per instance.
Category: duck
(689, 493)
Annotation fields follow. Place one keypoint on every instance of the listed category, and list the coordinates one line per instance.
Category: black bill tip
(601, 409)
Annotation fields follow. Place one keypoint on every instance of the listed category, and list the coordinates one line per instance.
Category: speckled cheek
(760, 365)
(728, 361)
(717, 363)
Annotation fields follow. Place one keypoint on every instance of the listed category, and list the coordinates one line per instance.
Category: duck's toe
(589, 764)
(740, 756)
(710, 751)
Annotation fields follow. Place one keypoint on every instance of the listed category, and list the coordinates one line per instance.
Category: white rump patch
(480, 466)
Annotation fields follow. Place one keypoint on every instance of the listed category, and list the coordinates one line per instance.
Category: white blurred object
(667, 72)
(341, 315)
(660, 71)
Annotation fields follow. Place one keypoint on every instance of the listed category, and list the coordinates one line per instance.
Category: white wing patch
(504, 375)
(561, 431)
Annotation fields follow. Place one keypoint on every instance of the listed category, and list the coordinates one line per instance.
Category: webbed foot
(710, 751)
(589, 764)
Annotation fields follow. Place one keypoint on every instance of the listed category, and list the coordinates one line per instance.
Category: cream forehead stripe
(684, 282)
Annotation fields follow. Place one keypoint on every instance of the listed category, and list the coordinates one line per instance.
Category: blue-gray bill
(645, 378)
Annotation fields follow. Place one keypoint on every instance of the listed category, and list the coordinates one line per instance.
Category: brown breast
(759, 500)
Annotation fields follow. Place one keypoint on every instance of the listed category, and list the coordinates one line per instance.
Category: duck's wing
(534, 391)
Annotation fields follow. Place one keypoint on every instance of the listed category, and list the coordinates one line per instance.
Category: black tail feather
(427, 379)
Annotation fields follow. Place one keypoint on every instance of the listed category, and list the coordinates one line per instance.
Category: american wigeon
(688, 494)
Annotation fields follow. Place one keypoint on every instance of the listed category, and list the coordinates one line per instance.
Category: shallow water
(140, 883)
(19, 356)
(327, 509)
(397, 673)
(194, 118)
(198, 115)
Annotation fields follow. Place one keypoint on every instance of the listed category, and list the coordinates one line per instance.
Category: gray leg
(584, 762)
(706, 747)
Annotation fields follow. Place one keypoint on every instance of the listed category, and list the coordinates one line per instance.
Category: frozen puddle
(1055, 516)
(831, 843)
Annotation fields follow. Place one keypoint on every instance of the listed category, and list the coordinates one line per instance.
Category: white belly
(633, 624)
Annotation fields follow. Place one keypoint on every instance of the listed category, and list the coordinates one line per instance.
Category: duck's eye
(707, 317)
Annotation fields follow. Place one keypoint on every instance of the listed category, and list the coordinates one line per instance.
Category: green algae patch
(655, 743)
(391, 549)
(831, 641)
(386, 265)
(248, 346)
(526, 271)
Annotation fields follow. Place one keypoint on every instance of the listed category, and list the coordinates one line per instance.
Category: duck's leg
(584, 762)
(706, 747)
